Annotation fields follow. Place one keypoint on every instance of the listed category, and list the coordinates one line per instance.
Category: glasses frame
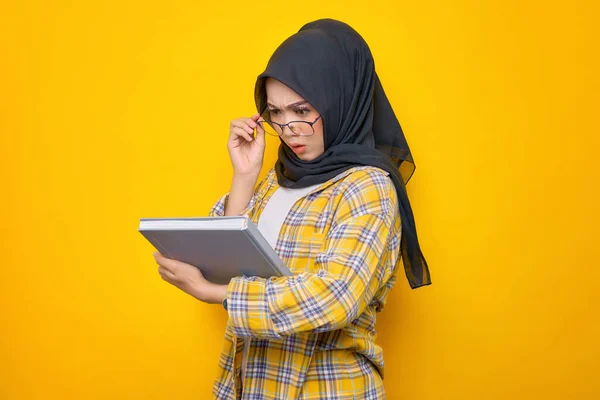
(282, 126)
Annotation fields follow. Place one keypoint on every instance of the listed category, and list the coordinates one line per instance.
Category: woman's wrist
(210, 293)
(242, 188)
(221, 293)
(247, 177)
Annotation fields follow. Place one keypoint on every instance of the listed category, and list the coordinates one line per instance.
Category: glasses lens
(270, 130)
(301, 128)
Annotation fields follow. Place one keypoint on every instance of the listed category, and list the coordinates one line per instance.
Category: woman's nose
(289, 129)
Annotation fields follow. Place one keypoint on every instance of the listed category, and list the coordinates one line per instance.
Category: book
(221, 247)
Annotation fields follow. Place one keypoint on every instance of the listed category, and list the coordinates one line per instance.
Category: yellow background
(115, 110)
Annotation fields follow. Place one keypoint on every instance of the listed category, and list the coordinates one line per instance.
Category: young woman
(334, 207)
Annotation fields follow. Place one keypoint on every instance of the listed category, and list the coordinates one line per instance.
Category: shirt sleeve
(218, 210)
(349, 272)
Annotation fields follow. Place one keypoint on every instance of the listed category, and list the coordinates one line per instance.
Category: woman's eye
(274, 112)
(302, 111)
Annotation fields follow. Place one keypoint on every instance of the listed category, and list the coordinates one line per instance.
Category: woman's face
(285, 105)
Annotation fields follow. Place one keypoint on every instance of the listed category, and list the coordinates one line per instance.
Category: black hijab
(330, 65)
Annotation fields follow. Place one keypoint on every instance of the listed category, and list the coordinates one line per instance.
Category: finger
(159, 257)
(165, 274)
(250, 121)
(247, 124)
(167, 263)
(241, 133)
(260, 134)
(244, 127)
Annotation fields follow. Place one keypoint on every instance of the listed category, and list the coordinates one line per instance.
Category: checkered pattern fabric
(312, 335)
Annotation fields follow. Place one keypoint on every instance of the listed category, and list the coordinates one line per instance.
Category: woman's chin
(305, 157)
(309, 155)
(305, 153)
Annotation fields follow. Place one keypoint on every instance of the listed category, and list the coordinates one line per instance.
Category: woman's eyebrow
(293, 105)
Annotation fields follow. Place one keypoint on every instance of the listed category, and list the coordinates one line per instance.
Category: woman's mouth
(298, 148)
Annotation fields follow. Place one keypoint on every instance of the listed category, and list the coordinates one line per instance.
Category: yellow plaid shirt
(312, 335)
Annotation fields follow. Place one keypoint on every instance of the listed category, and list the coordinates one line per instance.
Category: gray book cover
(221, 247)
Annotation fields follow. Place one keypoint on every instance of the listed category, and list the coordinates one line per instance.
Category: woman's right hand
(246, 150)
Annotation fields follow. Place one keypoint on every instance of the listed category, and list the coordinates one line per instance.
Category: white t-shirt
(269, 225)
(277, 209)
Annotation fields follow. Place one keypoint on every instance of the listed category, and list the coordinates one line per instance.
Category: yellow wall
(115, 110)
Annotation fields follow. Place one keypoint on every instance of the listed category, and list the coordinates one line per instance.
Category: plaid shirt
(312, 335)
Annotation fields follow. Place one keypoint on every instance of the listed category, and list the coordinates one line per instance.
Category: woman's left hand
(189, 279)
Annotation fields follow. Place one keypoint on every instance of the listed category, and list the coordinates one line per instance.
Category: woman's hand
(189, 279)
(245, 150)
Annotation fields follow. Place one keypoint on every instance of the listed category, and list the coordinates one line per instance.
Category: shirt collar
(273, 184)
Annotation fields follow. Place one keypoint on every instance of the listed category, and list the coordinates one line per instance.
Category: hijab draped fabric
(330, 65)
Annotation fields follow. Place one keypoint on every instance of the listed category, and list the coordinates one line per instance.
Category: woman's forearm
(242, 188)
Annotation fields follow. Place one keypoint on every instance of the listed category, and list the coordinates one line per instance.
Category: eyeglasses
(300, 128)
